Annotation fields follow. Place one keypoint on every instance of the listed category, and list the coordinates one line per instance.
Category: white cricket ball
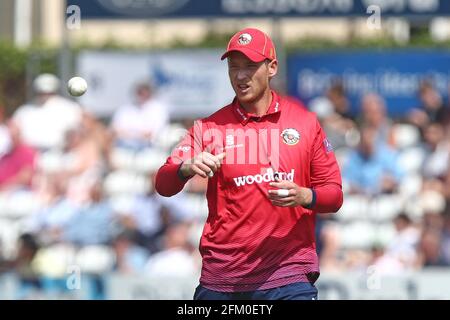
(77, 86)
(210, 174)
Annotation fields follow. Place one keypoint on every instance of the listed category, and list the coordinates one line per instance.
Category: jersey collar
(244, 117)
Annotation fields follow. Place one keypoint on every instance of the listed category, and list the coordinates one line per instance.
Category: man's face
(249, 79)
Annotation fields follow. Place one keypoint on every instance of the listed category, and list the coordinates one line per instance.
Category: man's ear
(273, 68)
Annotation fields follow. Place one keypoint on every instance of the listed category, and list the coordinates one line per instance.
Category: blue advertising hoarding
(395, 74)
(140, 9)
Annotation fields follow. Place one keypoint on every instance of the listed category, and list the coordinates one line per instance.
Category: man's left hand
(297, 196)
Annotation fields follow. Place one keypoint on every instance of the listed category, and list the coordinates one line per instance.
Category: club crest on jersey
(290, 136)
(244, 39)
(184, 148)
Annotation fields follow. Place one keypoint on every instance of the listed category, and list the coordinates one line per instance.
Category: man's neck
(260, 106)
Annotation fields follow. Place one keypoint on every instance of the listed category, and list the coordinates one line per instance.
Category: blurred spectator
(99, 134)
(334, 114)
(430, 254)
(384, 263)
(337, 128)
(446, 192)
(5, 138)
(44, 122)
(138, 124)
(17, 165)
(54, 213)
(372, 167)
(431, 245)
(404, 244)
(338, 98)
(28, 277)
(446, 241)
(130, 257)
(176, 258)
(22, 264)
(432, 108)
(373, 114)
(92, 223)
(145, 220)
(437, 150)
(83, 164)
(328, 242)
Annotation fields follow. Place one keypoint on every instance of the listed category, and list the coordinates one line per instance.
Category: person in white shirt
(44, 122)
(137, 125)
(176, 259)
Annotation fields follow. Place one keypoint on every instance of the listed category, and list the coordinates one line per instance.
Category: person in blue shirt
(372, 167)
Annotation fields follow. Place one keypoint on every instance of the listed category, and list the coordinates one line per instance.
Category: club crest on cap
(244, 39)
(290, 136)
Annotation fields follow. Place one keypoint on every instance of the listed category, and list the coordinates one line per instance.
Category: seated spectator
(437, 150)
(432, 108)
(54, 213)
(372, 168)
(430, 249)
(92, 223)
(29, 280)
(338, 98)
(446, 241)
(130, 257)
(44, 122)
(5, 138)
(337, 128)
(373, 114)
(97, 132)
(403, 246)
(146, 219)
(384, 263)
(328, 243)
(17, 165)
(176, 259)
(138, 124)
(83, 164)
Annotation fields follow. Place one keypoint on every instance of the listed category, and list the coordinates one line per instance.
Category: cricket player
(270, 169)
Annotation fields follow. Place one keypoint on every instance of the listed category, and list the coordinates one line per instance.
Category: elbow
(161, 188)
(337, 199)
(167, 182)
(329, 199)
(340, 200)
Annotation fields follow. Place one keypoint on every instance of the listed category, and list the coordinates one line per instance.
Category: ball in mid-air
(77, 86)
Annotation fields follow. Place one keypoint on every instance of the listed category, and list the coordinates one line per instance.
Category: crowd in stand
(77, 191)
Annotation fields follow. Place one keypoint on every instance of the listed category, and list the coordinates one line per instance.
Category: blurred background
(79, 218)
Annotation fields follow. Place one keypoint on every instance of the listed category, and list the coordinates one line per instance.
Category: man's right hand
(203, 164)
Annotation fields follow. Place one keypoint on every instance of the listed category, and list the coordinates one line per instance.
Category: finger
(199, 171)
(221, 156)
(281, 193)
(278, 198)
(283, 204)
(214, 159)
(281, 185)
(218, 159)
(210, 163)
(282, 200)
(203, 167)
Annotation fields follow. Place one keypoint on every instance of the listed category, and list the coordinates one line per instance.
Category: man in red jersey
(270, 169)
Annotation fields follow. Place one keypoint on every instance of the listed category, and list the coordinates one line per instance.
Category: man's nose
(241, 75)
